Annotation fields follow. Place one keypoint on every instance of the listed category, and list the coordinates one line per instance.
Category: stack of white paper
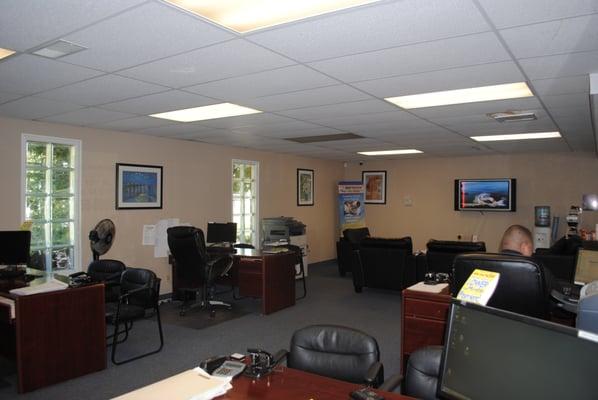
(51, 285)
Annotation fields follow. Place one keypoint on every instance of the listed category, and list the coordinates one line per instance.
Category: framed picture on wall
(305, 187)
(138, 186)
(374, 183)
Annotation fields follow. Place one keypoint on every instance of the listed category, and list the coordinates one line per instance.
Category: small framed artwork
(138, 186)
(374, 183)
(305, 187)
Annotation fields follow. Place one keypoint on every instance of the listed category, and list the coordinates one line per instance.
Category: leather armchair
(440, 255)
(522, 287)
(421, 374)
(384, 264)
(346, 247)
(337, 352)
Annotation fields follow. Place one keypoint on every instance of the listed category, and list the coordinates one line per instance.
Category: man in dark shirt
(517, 240)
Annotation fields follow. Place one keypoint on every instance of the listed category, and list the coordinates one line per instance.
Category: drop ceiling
(324, 75)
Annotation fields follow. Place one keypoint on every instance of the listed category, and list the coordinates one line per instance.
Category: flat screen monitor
(494, 354)
(14, 247)
(485, 194)
(586, 269)
(589, 202)
(219, 232)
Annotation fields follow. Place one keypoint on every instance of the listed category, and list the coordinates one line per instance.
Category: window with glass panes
(245, 197)
(51, 200)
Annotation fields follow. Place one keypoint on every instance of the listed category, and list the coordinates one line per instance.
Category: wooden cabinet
(423, 320)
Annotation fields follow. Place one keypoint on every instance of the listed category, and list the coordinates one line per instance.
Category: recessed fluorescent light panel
(517, 136)
(214, 111)
(389, 152)
(59, 48)
(245, 16)
(462, 96)
(5, 53)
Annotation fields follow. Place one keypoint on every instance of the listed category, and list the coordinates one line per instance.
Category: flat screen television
(485, 194)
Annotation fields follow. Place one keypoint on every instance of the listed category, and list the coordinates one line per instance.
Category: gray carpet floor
(330, 300)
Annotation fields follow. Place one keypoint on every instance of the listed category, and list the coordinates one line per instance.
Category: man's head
(517, 238)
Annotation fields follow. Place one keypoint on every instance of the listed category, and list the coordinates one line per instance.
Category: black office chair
(522, 286)
(109, 273)
(441, 254)
(139, 291)
(421, 375)
(195, 270)
(337, 352)
(301, 273)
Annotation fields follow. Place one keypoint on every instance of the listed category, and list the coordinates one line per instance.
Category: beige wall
(557, 180)
(197, 187)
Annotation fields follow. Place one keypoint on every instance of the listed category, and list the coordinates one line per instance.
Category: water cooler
(542, 227)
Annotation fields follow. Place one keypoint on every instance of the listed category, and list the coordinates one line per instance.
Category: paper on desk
(214, 392)
(11, 304)
(422, 287)
(51, 285)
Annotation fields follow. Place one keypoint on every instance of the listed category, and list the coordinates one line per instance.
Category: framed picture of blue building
(138, 186)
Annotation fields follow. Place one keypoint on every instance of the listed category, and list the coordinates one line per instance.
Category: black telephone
(222, 366)
(210, 364)
(262, 362)
(80, 279)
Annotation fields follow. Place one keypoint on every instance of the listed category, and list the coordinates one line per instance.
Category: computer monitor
(494, 354)
(586, 269)
(14, 247)
(222, 232)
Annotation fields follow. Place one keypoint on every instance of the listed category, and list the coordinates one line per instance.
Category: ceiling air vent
(513, 116)
(325, 138)
(57, 49)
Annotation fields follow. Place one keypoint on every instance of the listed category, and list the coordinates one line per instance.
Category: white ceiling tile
(35, 107)
(516, 12)
(564, 85)
(28, 23)
(345, 121)
(555, 37)
(27, 74)
(87, 117)
(286, 134)
(461, 150)
(133, 124)
(125, 40)
(220, 61)
(560, 65)
(339, 110)
(574, 100)
(505, 128)
(587, 143)
(287, 129)
(373, 28)
(105, 89)
(529, 146)
(175, 129)
(4, 97)
(246, 120)
(577, 113)
(307, 98)
(484, 107)
(159, 102)
(267, 83)
(430, 56)
(457, 78)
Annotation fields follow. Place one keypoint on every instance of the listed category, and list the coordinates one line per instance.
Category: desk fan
(101, 238)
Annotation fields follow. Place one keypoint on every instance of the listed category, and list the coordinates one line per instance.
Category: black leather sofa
(346, 247)
(440, 255)
(384, 264)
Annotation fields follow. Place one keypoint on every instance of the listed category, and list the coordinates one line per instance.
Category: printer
(285, 230)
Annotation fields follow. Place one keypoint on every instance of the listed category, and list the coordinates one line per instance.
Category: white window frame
(256, 164)
(27, 137)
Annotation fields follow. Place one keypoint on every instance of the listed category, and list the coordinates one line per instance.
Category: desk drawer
(426, 309)
(422, 332)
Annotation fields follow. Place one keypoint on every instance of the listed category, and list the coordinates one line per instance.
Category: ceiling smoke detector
(513, 116)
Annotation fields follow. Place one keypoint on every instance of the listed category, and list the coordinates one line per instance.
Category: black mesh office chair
(337, 352)
(139, 291)
(301, 273)
(108, 272)
(421, 375)
(522, 286)
(196, 272)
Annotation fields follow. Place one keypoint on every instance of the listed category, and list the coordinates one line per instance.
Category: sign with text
(351, 199)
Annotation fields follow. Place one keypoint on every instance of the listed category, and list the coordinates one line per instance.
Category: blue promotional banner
(351, 205)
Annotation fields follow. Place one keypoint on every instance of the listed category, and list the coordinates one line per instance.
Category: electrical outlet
(168, 278)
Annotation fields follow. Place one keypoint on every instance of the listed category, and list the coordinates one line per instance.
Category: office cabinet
(423, 319)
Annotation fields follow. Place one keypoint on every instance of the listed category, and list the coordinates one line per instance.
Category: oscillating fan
(101, 238)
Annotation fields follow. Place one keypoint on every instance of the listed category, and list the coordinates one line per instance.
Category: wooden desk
(284, 383)
(423, 320)
(56, 336)
(270, 277)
